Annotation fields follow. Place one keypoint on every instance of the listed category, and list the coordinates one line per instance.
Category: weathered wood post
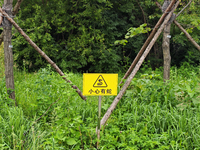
(166, 52)
(166, 43)
(8, 53)
(133, 73)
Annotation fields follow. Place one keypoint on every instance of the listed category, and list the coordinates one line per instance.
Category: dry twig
(184, 8)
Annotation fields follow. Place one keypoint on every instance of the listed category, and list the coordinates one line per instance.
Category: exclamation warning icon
(100, 82)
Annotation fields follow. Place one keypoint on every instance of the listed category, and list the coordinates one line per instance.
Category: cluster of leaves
(133, 32)
(179, 90)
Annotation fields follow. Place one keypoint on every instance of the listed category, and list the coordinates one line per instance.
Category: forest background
(80, 36)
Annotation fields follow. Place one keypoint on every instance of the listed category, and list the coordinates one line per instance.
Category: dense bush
(80, 35)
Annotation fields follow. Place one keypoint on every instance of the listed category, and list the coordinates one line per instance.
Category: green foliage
(15, 127)
(16, 131)
(151, 114)
(183, 50)
(3, 95)
(68, 32)
(80, 35)
(133, 32)
(176, 91)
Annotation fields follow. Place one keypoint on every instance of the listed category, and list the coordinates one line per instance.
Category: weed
(151, 114)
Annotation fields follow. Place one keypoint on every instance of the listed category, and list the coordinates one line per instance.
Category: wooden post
(133, 73)
(98, 123)
(166, 52)
(166, 43)
(8, 53)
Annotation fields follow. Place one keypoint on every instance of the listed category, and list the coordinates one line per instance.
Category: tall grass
(151, 114)
(15, 132)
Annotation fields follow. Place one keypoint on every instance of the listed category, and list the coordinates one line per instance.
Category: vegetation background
(88, 36)
(80, 35)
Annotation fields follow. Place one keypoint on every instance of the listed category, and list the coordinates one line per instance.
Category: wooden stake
(8, 53)
(128, 81)
(166, 52)
(98, 124)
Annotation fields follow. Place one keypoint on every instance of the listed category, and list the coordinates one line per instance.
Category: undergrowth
(151, 115)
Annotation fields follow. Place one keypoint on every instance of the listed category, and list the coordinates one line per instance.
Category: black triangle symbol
(100, 82)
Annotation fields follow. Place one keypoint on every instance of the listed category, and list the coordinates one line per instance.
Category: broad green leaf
(71, 141)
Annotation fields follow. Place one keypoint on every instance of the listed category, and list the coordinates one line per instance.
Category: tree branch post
(8, 53)
(166, 52)
(184, 8)
(133, 73)
(187, 35)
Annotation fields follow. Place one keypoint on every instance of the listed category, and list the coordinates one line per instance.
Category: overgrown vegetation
(151, 115)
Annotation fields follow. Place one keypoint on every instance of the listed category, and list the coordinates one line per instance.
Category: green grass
(151, 114)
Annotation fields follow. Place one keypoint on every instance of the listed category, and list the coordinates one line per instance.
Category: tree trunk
(14, 12)
(8, 53)
(166, 52)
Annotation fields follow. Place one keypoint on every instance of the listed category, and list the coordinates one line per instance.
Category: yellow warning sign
(100, 84)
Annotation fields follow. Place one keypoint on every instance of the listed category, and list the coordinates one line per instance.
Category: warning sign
(100, 84)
